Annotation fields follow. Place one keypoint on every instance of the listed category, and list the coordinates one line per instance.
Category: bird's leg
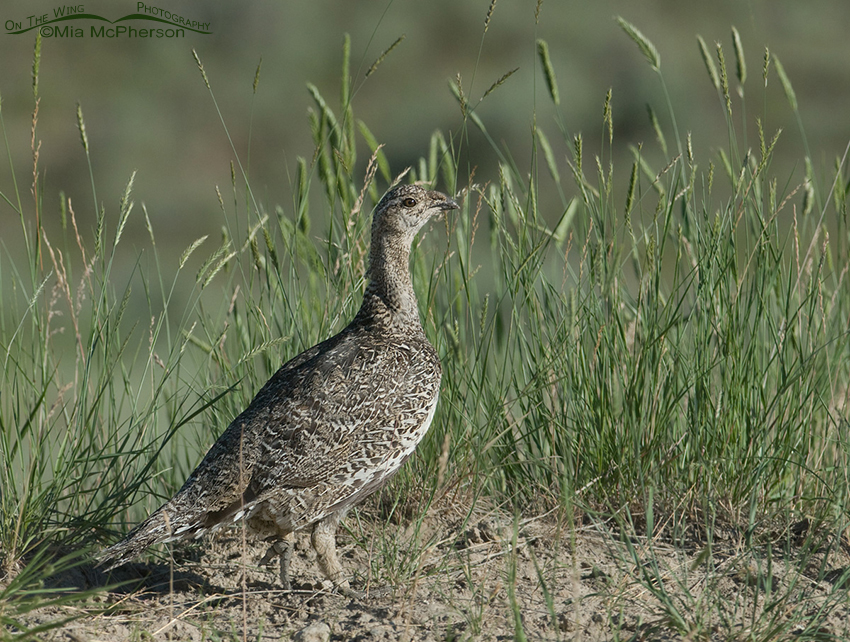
(285, 556)
(324, 541)
(281, 548)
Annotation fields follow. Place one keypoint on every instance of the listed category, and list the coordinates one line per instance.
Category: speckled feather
(334, 423)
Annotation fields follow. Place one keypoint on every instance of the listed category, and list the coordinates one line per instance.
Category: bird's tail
(156, 529)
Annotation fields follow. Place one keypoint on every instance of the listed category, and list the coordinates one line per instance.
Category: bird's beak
(448, 204)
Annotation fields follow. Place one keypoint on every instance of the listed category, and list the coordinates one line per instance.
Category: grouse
(330, 427)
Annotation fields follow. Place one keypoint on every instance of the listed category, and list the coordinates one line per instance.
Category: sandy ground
(484, 576)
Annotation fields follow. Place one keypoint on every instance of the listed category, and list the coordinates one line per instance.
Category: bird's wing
(299, 430)
(314, 424)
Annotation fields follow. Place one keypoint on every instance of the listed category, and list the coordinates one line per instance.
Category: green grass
(666, 348)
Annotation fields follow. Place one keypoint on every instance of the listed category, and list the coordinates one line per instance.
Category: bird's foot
(344, 588)
(281, 548)
(350, 593)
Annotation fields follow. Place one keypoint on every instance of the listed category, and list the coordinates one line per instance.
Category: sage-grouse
(330, 427)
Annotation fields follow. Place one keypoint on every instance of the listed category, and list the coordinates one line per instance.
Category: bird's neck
(389, 292)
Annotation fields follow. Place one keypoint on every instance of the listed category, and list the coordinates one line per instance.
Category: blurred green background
(146, 107)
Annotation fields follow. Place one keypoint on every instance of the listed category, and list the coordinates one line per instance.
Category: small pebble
(314, 632)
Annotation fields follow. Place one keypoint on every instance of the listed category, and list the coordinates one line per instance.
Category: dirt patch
(486, 577)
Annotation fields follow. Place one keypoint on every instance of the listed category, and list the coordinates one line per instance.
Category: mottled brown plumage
(331, 426)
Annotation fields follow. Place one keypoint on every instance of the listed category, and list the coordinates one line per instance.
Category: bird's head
(407, 208)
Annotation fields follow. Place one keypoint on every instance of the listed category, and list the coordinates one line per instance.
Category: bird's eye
(409, 202)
